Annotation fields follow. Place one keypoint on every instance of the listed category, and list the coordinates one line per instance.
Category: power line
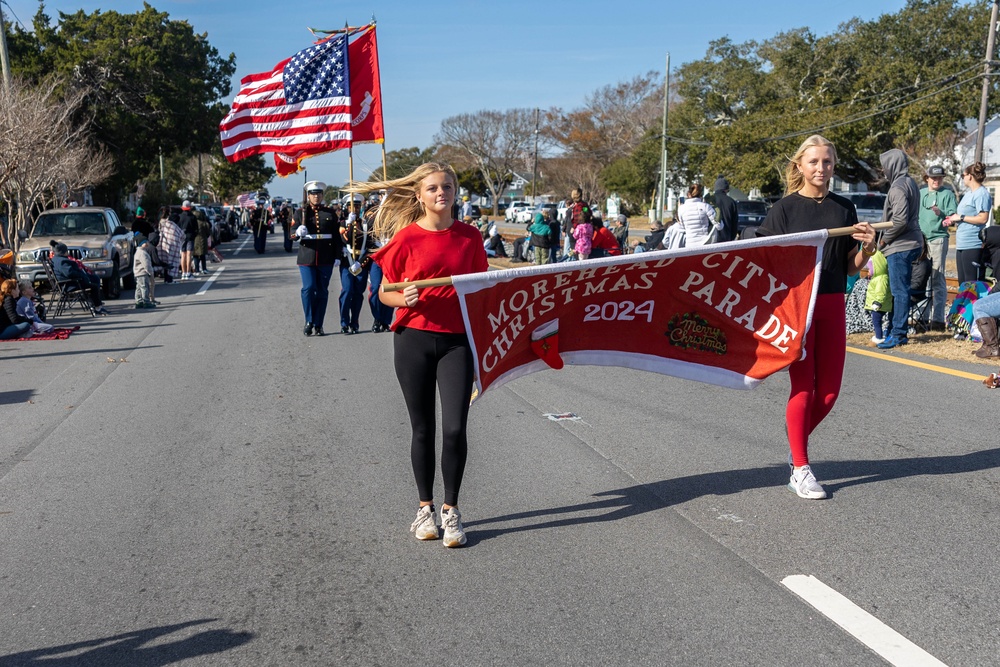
(848, 121)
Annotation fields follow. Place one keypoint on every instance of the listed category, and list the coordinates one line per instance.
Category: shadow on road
(16, 396)
(114, 351)
(633, 500)
(127, 649)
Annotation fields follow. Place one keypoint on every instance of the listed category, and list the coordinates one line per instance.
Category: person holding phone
(936, 204)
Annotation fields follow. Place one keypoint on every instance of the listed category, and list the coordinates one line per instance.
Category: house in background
(965, 154)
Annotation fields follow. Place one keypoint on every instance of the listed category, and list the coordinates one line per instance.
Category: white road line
(242, 245)
(867, 629)
(208, 283)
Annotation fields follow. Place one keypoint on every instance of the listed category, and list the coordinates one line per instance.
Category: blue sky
(448, 57)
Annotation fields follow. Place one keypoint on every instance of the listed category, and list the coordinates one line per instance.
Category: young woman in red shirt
(431, 348)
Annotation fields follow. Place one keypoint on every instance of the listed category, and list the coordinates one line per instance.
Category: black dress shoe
(354, 330)
(319, 331)
(377, 327)
(308, 329)
(346, 330)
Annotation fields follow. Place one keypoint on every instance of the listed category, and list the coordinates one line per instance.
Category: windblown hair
(793, 177)
(400, 207)
(7, 288)
(977, 170)
(696, 190)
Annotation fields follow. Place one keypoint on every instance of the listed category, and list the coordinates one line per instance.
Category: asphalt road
(202, 485)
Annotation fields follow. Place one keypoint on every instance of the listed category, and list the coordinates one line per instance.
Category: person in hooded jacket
(321, 247)
(728, 212)
(901, 244)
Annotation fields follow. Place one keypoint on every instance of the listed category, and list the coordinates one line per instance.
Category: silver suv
(93, 235)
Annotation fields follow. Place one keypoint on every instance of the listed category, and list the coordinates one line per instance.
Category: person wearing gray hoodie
(903, 242)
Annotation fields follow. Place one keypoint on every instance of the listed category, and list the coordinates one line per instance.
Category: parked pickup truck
(93, 235)
(510, 215)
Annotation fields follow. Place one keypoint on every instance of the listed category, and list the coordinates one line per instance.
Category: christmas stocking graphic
(545, 343)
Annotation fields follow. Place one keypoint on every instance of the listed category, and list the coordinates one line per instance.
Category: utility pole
(987, 70)
(534, 168)
(163, 180)
(4, 58)
(662, 201)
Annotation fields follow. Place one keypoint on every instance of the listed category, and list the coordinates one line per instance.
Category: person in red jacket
(430, 344)
(604, 243)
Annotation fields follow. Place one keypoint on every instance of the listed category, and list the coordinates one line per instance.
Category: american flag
(302, 105)
(248, 200)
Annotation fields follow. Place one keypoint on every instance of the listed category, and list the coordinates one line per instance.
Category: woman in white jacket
(697, 218)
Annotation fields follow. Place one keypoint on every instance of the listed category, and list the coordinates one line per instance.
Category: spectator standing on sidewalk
(728, 213)
(189, 225)
(902, 243)
(973, 212)
(936, 204)
(169, 246)
(142, 269)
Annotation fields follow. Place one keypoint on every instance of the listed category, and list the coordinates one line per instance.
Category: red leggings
(816, 379)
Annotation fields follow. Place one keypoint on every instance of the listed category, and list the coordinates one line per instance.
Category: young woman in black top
(808, 206)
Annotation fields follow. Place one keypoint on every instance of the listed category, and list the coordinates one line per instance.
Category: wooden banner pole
(439, 282)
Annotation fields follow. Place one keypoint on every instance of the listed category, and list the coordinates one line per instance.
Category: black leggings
(969, 265)
(423, 359)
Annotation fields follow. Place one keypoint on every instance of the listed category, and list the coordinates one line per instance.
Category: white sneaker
(877, 340)
(804, 483)
(424, 527)
(454, 534)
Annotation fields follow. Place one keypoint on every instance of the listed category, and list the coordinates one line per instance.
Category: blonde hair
(400, 206)
(793, 177)
(7, 288)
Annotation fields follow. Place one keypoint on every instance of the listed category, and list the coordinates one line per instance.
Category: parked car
(561, 210)
(869, 205)
(477, 214)
(750, 213)
(515, 207)
(93, 235)
(528, 215)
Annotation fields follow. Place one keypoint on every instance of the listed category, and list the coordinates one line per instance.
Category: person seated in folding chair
(71, 271)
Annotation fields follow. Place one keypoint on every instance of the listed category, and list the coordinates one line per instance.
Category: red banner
(366, 90)
(728, 314)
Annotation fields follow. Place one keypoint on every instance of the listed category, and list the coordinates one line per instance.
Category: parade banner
(728, 314)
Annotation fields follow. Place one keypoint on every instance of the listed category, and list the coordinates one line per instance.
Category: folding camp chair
(64, 295)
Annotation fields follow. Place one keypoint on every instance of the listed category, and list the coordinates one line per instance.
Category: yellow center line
(918, 364)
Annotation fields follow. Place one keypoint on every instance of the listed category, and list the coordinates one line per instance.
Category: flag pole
(446, 280)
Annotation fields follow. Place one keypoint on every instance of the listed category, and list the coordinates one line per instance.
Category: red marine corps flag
(366, 90)
(729, 314)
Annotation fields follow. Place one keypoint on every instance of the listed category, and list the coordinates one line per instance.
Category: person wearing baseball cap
(466, 208)
(936, 204)
(317, 230)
